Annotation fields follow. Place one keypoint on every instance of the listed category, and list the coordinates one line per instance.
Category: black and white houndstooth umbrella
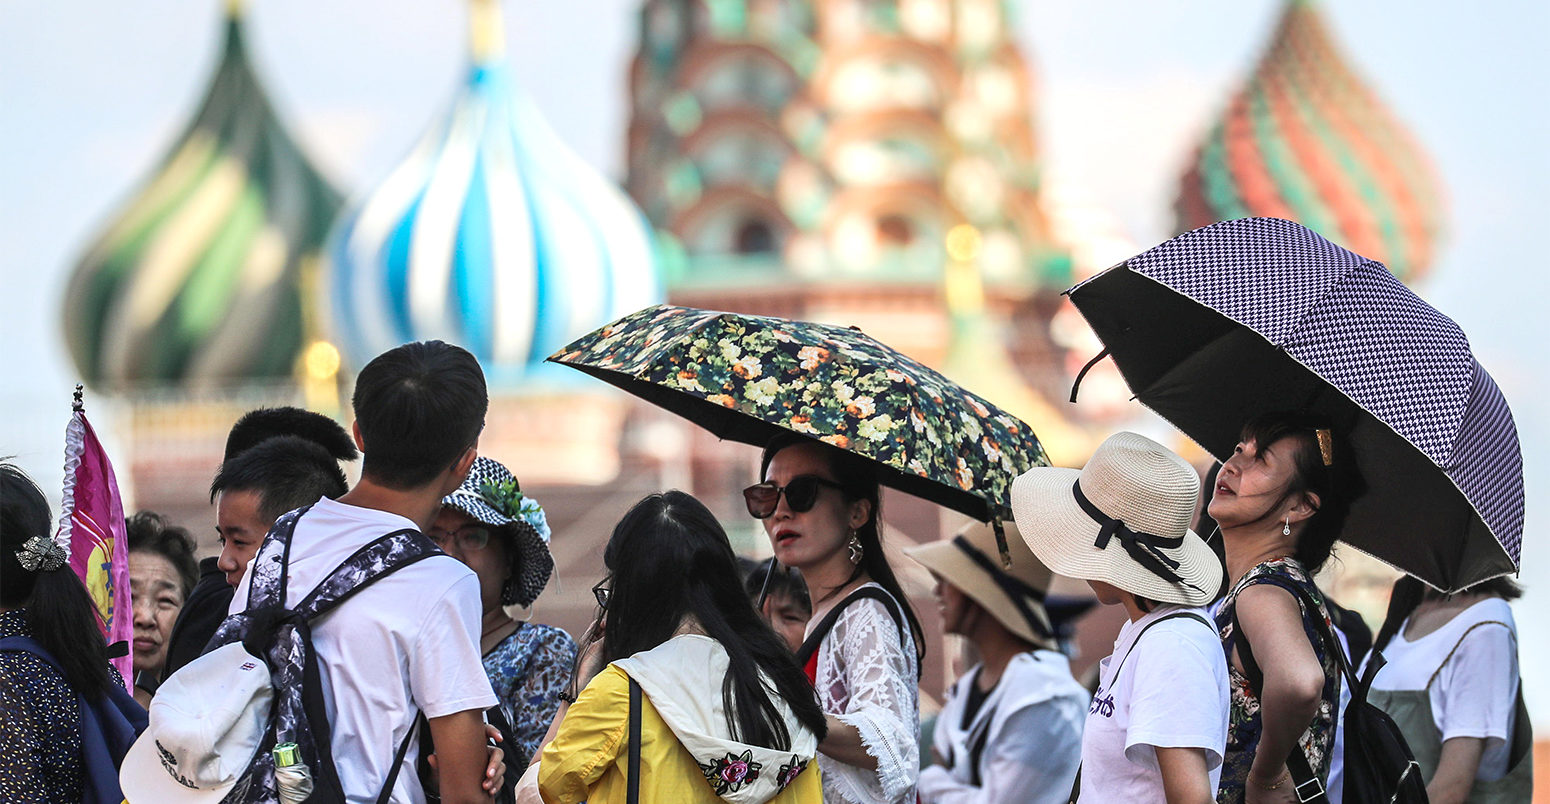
(1256, 315)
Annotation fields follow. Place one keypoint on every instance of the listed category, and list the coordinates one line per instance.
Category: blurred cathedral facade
(864, 162)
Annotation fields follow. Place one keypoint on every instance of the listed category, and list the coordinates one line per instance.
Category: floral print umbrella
(749, 378)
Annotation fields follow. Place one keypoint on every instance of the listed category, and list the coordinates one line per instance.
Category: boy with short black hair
(419, 410)
(276, 460)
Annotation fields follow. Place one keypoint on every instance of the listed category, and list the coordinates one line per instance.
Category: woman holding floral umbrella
(819, 506)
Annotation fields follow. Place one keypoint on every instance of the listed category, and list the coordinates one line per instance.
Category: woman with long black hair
(65, 718)
(723, 710)
(820, 509)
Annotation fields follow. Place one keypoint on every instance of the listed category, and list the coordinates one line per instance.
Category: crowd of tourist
(377, 658)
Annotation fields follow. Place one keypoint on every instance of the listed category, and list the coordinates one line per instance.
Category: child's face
(788, 618)
(1107, 594)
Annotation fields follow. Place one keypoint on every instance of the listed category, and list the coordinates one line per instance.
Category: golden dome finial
(487, 31)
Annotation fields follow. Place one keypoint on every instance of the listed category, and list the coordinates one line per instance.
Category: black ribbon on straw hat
(1145, 548)
(1015, 589)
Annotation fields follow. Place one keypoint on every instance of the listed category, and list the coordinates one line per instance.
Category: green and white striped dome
(199, 280)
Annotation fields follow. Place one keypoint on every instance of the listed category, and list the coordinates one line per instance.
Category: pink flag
(91, 529)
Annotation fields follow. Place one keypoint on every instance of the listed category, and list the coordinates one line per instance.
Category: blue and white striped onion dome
(492, 234)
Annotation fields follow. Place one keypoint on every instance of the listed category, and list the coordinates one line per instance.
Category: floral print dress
(528, 671)
(1244, 725)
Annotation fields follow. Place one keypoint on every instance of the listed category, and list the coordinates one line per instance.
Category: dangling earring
(1286, 527)
(855, 548)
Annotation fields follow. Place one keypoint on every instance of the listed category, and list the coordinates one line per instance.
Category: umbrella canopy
(1250, 316)
(750, 378)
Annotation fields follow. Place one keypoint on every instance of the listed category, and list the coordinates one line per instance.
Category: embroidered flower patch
(788, 772)
(728, 774)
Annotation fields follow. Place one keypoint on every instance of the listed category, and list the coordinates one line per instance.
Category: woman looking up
(503, 537)
(724, 713)
(819, 505)
(1280, 502)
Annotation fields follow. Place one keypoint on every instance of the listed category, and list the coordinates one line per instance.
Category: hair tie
(41, 554)
(1326, 445)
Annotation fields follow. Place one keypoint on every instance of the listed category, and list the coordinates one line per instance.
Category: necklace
(497, 627)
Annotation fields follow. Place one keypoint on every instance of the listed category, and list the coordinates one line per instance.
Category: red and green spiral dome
(1305, 139)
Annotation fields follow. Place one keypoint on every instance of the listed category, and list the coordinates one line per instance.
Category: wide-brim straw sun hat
(971, 561)
(1122, 519)
(490, 494)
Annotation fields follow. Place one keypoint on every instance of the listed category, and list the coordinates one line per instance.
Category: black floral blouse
(40, 726)
(1244, 725)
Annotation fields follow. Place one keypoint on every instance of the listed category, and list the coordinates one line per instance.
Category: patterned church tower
(491, 234)
(836, 141)
(199, 282)
(1305, 139)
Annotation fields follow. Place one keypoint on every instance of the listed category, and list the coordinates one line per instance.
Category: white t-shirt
(1170, 693)
(405, 644)
(1477, 690)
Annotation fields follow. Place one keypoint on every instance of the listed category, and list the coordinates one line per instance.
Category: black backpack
(1379, 766)
(283, 639)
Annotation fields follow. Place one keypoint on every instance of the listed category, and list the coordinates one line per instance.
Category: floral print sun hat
(491, 495)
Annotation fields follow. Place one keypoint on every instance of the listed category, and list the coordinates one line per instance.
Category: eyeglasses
(602, 593)
(469, 537)
(801, 493)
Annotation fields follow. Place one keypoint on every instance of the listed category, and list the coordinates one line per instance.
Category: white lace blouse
(867, 677)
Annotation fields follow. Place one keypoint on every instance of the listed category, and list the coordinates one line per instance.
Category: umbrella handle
(1006, 552)
(764, 589)
(1077, 383)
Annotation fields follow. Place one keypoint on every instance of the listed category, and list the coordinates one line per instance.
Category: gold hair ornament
(1326, 445)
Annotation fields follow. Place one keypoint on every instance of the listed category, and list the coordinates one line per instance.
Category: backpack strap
(365, 567)
(632, 793)
(977, 751)
(810, 645)
(1460, 643)
(1307, 786)
(386, 794)
(1174, 616)
(269, 570)
(1076, 784)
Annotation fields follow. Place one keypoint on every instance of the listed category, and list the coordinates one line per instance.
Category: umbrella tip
(76, 404)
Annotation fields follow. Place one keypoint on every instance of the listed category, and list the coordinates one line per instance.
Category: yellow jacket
(589, 757)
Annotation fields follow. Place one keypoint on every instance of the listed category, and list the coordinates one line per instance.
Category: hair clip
(1326, 445)
(41, 554)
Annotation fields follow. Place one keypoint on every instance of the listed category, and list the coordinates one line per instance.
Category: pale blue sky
(92, 93)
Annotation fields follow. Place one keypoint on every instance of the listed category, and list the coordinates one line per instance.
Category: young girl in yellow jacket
(726, 714)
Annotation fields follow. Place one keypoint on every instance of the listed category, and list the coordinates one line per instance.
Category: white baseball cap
(206, 723)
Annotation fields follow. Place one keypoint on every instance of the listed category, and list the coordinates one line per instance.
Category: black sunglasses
(801, 493)
(602, 593)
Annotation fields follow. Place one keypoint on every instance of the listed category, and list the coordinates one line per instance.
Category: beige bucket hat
(971, 561)
(1122, 519)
